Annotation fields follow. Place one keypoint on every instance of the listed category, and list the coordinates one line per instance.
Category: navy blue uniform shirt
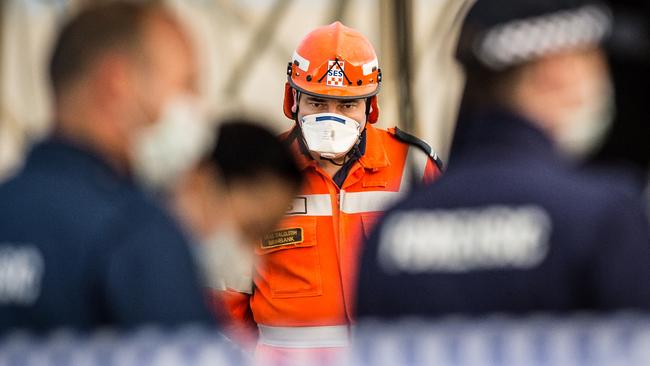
(83, 247)
(509, 228)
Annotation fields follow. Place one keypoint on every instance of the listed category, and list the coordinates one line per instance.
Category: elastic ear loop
(368, 106)
(297, 101)
(303, 144)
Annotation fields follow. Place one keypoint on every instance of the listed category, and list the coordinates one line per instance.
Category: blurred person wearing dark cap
(82, 245)
(513, 227)
(236, 195)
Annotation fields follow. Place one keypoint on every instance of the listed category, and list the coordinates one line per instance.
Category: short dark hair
(93, 31)
(245, 151)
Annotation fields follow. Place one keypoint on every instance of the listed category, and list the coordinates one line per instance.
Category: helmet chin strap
(368, 106)
(333, 162)
(303, 143)
(297, 101)
(346, 157)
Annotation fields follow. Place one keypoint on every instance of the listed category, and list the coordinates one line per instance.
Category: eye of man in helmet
(352, 108)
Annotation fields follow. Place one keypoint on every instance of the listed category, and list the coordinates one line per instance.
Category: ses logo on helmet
(335, 73)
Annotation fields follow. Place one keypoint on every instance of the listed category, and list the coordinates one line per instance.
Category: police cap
(498, 34)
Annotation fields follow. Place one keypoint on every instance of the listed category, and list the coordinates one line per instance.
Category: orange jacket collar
(374, 158)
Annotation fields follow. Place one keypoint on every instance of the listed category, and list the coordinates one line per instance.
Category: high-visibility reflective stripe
(369, 201)
(303, 63)
(305, 337)
(370, 67)
(311, 205)
(414, 167)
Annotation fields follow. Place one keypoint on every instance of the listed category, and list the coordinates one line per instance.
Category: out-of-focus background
(245, 47)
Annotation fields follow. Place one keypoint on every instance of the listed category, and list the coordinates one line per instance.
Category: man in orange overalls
(303, 293)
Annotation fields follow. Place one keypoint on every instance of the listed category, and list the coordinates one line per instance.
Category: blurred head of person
(123, 75)
(260, 175)
(544, 61)
(244, 184)
(331, 90)
(236, 195)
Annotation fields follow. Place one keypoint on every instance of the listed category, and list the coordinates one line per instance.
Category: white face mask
(169, 148)
(584, 130)
(330, 135)
(226, 261)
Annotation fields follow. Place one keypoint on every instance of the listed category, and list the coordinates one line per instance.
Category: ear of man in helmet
(333, 79)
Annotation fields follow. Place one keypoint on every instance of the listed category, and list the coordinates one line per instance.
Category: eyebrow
(316, 99)
(342, 101)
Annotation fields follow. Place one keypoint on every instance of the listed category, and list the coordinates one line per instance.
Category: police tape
(539, 340)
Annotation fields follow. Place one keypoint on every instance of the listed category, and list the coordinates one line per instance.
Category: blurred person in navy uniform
(626, 150)
(81, 243)
(514, 227)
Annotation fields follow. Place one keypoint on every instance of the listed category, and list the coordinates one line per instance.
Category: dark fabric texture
(111, 257)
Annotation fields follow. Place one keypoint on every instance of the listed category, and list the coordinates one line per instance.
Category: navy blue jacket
(509, 228)
(89, 249)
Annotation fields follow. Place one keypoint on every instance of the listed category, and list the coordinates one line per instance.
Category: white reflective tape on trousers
(305, 337)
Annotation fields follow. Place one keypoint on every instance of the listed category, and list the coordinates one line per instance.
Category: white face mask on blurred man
(582, 131)
(167, 149)
(569, 95)
(167, 126)
(227, 260)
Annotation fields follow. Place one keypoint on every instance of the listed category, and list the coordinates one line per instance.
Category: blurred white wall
(244, 47)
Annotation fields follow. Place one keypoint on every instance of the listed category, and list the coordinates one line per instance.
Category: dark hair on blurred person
(114, 25)
(247, 151)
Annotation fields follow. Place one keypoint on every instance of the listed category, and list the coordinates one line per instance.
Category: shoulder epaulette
(419, 143)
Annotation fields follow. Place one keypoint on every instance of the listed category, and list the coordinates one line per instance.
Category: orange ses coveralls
(304, 281)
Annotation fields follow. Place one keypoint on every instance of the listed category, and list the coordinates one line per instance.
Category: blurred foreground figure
(81, 244)
(626, 151)
(237, 195)
(512, 227)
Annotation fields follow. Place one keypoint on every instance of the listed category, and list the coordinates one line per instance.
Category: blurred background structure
(245, 46)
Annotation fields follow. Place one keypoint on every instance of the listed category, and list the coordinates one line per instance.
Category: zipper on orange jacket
(350, 180)
(335, 201)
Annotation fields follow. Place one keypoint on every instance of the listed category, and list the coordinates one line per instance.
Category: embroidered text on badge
(282, 237)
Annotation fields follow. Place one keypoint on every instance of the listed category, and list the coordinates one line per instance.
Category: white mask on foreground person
(330, 135)
(226, 261)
